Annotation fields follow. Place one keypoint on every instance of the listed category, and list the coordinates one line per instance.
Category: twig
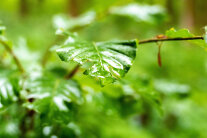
(6, 46)
(72, 73)
(170, 39)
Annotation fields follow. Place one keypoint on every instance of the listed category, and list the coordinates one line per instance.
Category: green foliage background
(150, 101)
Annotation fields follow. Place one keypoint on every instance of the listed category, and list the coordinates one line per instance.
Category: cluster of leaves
(61, 107)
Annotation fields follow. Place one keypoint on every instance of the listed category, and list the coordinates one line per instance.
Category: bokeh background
(151, 101)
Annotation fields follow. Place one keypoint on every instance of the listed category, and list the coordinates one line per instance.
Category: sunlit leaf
(111, 60)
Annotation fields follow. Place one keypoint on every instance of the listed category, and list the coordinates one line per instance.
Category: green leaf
(111, 60)
(9, 88)
(49, 95)
(63, 21)
(172, 33)
(146, 13)
(182, 33)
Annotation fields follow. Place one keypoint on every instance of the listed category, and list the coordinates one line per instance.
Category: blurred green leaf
(9, 88)
(24, 54)
(111, 60)
(49, 95)
(145, 91)
(65, 22)
(167, 87)
(139, 12)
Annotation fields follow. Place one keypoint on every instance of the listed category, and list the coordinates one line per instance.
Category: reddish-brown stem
(170, 39)
(157, 40)
(159, 60)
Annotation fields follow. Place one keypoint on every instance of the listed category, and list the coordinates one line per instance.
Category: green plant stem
(170, 39)
(9, 50)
